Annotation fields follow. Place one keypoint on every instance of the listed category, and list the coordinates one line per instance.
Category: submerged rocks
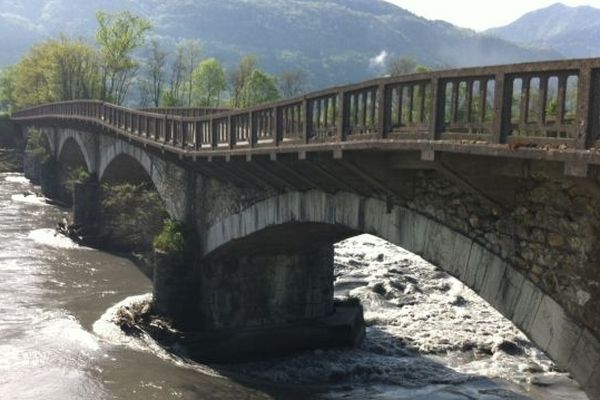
(508, 347)
(137, 319)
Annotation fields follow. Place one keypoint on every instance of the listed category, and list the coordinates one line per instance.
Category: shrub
(171, 239)
(78, 175)
(37, 145)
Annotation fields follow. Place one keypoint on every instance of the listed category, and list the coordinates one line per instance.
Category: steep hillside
(572, 31)
(337, 41)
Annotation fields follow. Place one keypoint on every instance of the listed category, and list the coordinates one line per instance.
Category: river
(428, 335)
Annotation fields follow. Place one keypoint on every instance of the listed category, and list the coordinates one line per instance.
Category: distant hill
(572, 31)
(336, 41)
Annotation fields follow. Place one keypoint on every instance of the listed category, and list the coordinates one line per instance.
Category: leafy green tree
(118, 36)
(168, 99)
(209, 83)
(259, 88)
(56, 70)
(8, 77)
(77, 69)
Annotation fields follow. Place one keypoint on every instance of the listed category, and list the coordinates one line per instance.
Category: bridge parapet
(545, 105)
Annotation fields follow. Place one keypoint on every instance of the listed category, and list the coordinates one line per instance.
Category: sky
(481, 14)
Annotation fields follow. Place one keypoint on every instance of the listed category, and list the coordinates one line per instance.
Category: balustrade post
(341, 116)
(502, 105)
(197, 135)
(165, 123)
(276, 126)
(229, 132)
(184, 131)
(307, 126)
(437, 109)
(584, 109)
(382, 114)
(214, 139)
(252, 130)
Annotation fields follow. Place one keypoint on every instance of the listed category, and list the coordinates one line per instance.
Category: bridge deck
(545, 110)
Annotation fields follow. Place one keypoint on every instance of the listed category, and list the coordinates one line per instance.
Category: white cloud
(379, 60)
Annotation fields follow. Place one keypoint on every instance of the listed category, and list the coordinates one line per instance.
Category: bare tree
(192, 52)
(155, 65)
(293, 83)
(239, 77)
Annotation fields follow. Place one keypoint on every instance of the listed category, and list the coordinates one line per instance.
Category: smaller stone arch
(119, 148)
(169, 180)
(87, 150)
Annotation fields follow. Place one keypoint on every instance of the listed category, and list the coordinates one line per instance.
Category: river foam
(29, 199)
(16, 178)
(49, 237)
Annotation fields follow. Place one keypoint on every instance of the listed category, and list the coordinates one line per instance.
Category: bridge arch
(134, 163)
(343, 215)
(72, 136)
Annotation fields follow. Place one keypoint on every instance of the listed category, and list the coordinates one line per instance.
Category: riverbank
(11, 160)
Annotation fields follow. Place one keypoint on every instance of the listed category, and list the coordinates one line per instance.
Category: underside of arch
(72, 150)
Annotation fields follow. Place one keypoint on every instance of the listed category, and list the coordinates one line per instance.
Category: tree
(77, 69)
(259, 88)
(153, 84)
(209, 83)
(178, 78)
(239, 77)
(403, 66)
(192, 51)
(293, 83)
(118, 36)
(8, 77)
(187, 56)
(56, 70)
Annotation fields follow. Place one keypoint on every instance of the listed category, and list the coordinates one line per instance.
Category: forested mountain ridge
(572, 31)
(335, 41)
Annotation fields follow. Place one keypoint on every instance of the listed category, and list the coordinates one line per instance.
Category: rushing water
(429, 337)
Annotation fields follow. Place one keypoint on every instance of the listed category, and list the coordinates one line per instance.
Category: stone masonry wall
(266, 290)
(551, 235)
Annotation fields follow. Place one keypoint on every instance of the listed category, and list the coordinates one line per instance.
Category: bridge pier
(49, 179)
(260, 305)
(85, 205)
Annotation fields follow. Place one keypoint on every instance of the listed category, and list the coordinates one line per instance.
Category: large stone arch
(545, 321)
(170, 180)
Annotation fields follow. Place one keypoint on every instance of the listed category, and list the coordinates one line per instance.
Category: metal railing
(549, 103)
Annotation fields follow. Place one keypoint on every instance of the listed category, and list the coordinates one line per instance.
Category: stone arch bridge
(490, 173)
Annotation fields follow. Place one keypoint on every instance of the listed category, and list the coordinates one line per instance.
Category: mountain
(572, 31)
(336, 41)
